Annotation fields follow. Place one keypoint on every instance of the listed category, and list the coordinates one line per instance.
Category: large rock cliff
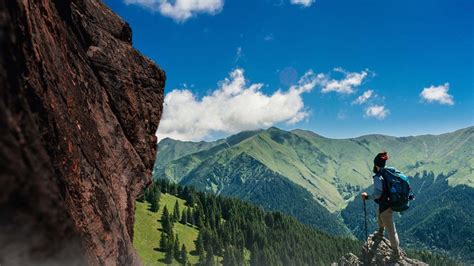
(79, 108)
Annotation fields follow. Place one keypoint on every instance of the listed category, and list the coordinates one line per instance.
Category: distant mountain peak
(305, 132)
(273, 128)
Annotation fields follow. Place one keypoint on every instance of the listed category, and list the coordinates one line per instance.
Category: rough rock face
(79, 109)
(376, 251)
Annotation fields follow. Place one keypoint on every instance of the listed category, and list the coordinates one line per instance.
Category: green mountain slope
(332, 170)
(297, 172)
(246, 178)
(177, 158)
(171, 149)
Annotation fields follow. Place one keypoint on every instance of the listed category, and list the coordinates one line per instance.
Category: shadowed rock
(377, 251)
(79, 109)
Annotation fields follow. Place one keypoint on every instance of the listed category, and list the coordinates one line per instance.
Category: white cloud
(364, 97)
(305, 3)
(345, 85)
(377, 111)
(437, 94)
(233, 107)
(180, 10)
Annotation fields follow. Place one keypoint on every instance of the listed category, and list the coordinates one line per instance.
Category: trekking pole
(365, 220)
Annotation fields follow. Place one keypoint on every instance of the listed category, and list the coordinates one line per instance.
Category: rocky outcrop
(79, 108)
(377, 251)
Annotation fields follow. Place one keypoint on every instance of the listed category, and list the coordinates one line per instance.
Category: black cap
(380, 159)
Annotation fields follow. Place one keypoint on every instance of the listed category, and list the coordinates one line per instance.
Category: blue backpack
(397, 190)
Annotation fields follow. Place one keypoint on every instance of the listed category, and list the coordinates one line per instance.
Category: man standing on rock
(384, 212)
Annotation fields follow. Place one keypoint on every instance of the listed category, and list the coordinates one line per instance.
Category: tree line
(241, 233)
(232, 229)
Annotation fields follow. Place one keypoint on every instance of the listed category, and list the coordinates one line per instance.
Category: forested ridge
(233, 232)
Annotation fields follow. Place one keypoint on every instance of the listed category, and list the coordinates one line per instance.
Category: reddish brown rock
(79, 109)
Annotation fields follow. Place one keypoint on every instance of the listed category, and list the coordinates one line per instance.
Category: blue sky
(238, 64)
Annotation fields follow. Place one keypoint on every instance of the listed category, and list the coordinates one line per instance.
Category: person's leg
(380, 222)
(387, 219)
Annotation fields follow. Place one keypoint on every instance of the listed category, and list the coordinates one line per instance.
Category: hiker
(384, 212)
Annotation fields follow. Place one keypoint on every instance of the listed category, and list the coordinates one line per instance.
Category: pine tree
(184, 255)
(212, 221)
(169, 255)
(166, 222)
(202, 259)
(199, 221)
(173, 189)
(163, 241)
(176, 212)
(254, 256)
(229, 257)
(210, 257)
(239, 257)
(196, 215)
(200, 245)
(164, 186)
(190, 216)
(170, 240)
(184, 217)
(154, 202)
(176, 250)
(147, 195)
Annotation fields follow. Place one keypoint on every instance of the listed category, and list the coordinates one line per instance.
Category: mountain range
(332, 170)
(316, 179)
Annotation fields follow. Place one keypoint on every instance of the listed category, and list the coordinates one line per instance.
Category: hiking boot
(379, 233)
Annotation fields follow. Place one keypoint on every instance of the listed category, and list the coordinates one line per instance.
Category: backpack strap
(385, 191)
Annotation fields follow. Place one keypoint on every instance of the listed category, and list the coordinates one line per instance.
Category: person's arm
(378, 189)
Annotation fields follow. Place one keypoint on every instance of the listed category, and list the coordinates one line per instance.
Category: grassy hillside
(234, 231)
(228, 231)
(147, 230)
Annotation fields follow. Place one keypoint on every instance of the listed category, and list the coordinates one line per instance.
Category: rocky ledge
(377, 251)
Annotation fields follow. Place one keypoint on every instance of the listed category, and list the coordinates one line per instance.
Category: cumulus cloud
(376, 111)
(180, 10)
(346, 85)
(437, 94)
(233, 107)
(305, 3)
(364, 97)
